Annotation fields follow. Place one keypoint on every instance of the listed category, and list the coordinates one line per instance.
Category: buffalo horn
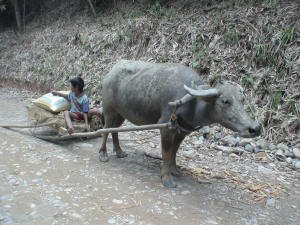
(208, 93)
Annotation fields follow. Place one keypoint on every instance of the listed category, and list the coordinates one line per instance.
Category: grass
(264, 56)
(288, 35)
(277, 97)
(231, 37)
(248, 80)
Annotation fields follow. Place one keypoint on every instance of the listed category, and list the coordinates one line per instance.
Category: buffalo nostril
(254, 130)
(251, 130)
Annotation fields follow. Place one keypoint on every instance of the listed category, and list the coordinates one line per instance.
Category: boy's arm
(57, 93)
(87, 126)
(85, 109)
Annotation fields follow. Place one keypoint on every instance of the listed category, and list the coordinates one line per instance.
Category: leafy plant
(265, 56)
(277, 99)
(248, 80)
(157, 7)
(288, 35)
(232, 36)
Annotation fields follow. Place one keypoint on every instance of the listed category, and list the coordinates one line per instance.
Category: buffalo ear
(206, 94)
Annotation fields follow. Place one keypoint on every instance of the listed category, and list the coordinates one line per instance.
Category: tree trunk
(15, 3)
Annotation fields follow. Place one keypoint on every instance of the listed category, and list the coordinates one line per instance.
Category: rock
(279, 155)
(289, 160)
(205, 131)
(270, 202)
(76, 215)
(297, 164)
(200, 140)
(233, 156)
(296, 152)
(152, 145)
(289, 153)
(245, 141)
(116, 201)
(85, 145)
(282, 146)
(185, 192)
(218, 136)
(264, 170)
(190, 153)
(230, 140)
(261, 155)
(249, 148)
(262, 144)
(272, 147)
(257, 150)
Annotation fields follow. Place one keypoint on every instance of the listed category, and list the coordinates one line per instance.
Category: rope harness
(178, 124)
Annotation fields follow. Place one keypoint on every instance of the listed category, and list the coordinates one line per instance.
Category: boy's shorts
(77, 116)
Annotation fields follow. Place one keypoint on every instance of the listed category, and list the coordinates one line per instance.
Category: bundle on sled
(49, 109)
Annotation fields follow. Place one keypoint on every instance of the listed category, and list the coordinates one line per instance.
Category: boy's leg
(68, 121)
(99, 114)
(93, 112)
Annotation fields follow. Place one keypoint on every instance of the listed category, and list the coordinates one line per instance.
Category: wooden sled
(43, 118)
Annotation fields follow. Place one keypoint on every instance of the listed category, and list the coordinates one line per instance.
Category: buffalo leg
(170, 142)
(103, 151)
(112, 119)
(119, 152)
(175, 171)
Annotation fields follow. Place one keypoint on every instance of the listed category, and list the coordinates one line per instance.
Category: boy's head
(77, 84)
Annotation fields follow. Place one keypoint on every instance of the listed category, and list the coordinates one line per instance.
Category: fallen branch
(228, 150)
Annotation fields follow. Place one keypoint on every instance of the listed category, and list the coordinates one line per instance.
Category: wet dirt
(48, 183)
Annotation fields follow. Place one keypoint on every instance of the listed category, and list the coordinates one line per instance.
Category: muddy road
(48, 183)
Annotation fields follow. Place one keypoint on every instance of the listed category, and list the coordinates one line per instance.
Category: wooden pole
(27, 126)
(98, 133)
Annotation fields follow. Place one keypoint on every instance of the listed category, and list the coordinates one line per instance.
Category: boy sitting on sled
(79, 102)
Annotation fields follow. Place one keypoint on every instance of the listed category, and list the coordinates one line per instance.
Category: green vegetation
(288, 36)
(248, 80)
(265, 56)
(232, 36)
(277, 97)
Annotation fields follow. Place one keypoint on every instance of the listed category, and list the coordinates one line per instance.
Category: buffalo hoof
(122, 155)
(103, 156)
(168, 182)
(176, 172)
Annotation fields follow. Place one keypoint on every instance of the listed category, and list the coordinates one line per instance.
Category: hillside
(255, 43)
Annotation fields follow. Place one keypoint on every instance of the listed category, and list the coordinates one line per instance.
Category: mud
(48, 183)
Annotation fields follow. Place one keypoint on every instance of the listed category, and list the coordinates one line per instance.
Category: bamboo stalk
(98, 133)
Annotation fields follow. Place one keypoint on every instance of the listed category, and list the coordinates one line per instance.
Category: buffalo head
(226, 106)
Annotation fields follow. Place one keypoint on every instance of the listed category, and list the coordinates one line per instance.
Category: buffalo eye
(226, 102)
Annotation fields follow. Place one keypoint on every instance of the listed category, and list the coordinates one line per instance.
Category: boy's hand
(87, 128)
(54, 92)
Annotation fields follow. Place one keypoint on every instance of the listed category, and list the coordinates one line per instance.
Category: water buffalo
(146, 93)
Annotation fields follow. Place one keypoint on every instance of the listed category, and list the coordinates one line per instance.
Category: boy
(79, 104)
